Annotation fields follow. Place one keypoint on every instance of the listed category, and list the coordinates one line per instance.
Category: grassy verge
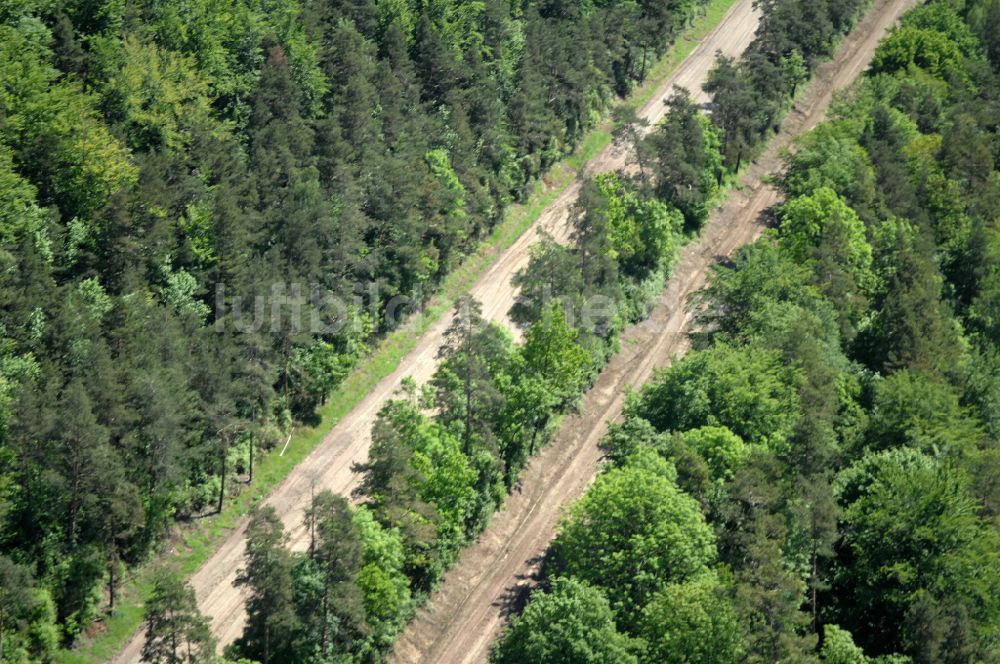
(197, 541)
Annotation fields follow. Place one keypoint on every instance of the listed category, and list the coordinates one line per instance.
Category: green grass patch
(195, 542)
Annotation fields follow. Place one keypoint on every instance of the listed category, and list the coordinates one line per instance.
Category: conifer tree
(271, 620)
(176, 632)
(684, 170)
(338, 556)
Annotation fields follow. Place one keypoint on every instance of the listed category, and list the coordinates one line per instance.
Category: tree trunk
(74, 508)
(267, 641)
(253, 422)
(285, 381)
(286, 355)
(326, 616)
(311, 518)
(222, 473)
(468, 394)
(173, 643)
(112, 586)
(815, 581)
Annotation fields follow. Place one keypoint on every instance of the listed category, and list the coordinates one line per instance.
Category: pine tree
(915, 328)
(122, 518)
(338, 555)
(768, 595)
(16, 599)
(176, 632)
(590, 240)
(466, 390)
(296, 217)
(84, 458)
(735, 101)
(267, 573)
(290, 200)
(682, 163)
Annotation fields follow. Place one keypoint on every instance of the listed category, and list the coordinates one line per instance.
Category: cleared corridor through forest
(329, 466)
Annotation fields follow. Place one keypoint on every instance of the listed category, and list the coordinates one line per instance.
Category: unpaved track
(493, 577)
(329, 465)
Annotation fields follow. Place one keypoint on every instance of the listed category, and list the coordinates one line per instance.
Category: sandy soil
(329, 465)
(492, 578)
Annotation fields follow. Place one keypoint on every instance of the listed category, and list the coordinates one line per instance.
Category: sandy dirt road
(329, 465)
(492, 578)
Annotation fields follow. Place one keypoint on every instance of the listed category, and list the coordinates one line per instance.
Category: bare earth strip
(493, 577)
(329, 465)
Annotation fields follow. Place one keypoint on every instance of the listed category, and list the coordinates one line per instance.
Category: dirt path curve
(492, 578)
(329, 465)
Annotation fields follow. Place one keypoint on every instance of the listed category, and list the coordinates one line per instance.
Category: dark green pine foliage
(468, 396)
(295, 217)
(749, 94)
(18, 601)
(335, 620)
(271, 620)
(915, 328)
(736, 114)
(681, 162)
(176, 633)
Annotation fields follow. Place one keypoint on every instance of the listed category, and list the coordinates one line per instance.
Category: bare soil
(493, 577)
(329, 465)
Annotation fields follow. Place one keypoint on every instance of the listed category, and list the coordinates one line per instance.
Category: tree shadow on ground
(515, 596)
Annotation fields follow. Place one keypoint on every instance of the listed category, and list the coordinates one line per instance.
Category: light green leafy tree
(633, 532)
(806, 219)
(691, 623)
(640, 231)
(53, 126)
(751, 391)
(942, 17)
(570, 624)
(839, 648)
(829, 156)
(723, 450)
(928, 49)
(382, 578)
(550, 370)
(159, 95)
(916, 579)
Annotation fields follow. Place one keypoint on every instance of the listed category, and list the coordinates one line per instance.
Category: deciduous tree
(572, 623)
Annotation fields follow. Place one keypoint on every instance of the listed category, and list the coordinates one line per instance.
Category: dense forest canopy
(816, 480)
(165, 166)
